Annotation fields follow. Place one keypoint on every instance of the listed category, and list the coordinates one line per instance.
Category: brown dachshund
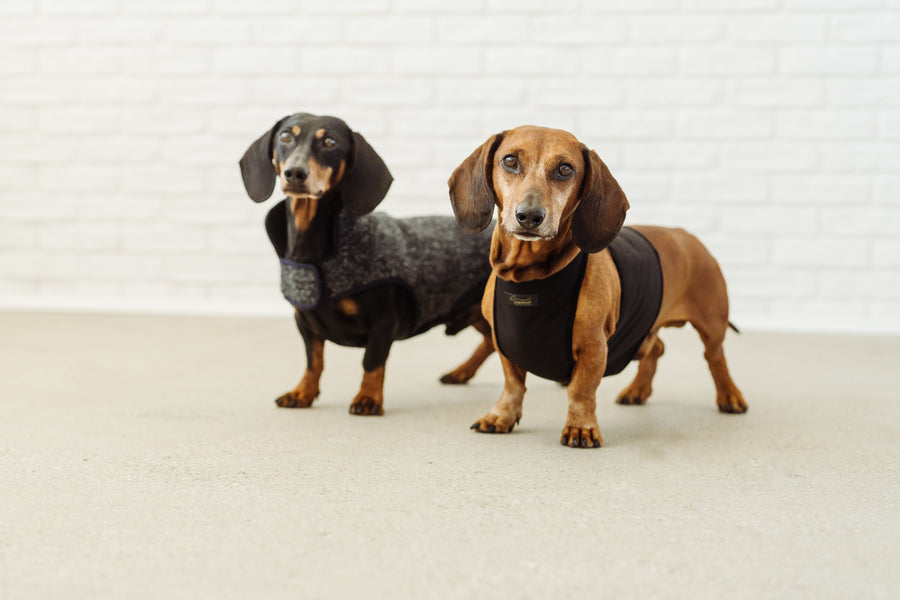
(560, 227)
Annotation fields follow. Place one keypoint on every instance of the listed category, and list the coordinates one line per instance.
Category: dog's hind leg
(467, 370)
(712, 332)
(640, 389)
(695, 292)
(307, 390)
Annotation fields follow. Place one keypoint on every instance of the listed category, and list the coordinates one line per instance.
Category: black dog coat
(533, 320)
(430, 256)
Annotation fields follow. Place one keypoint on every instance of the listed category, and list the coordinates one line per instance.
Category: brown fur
(303, 209)
(340, 173)
(348, 306)
(307, 390)
(370, 399)
(466, 371)
(319, 179)
(585, 212)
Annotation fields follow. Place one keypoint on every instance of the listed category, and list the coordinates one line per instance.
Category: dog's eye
(285, 137)
(329, 142)
(564, 171)
(510, 162)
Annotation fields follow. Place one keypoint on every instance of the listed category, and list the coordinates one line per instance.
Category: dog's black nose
(296, 174)
(530, 216)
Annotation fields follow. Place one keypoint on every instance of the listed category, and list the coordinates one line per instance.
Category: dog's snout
(296, 174)
(529, 215)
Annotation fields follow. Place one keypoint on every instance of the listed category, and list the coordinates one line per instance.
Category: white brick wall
(771, 128)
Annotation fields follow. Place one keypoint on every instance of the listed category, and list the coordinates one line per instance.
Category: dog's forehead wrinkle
(541, 147)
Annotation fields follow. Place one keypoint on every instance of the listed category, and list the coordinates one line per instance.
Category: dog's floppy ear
(277, 228)
(601, 212)
(472, 189)
(256, 166)
(367, 180)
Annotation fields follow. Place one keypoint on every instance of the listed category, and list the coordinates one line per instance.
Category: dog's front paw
(491, 423)
(731, 402)
(296, 399)
(581, 437)
(364, 405)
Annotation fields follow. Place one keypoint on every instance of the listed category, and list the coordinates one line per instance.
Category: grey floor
(144, 457)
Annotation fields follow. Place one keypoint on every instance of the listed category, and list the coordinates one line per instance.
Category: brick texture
(770, 128)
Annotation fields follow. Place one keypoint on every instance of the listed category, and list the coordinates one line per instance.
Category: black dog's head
(311, 156)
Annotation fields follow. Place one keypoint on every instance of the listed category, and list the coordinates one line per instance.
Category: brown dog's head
(312, 156)
(543, 181)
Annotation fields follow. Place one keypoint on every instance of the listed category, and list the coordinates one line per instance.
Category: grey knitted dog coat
(431, 256)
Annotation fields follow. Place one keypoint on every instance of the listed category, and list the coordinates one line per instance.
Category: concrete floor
(144, 457)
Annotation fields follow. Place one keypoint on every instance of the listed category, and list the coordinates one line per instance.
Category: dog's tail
(734, 327)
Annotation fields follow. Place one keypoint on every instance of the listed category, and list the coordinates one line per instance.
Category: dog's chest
(534, 320)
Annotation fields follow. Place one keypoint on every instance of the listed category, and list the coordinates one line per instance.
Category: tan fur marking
(296, 130)
(340, 172)
(348, 306)
(304, 210)
(307, 390)
(319, 179)
(320, 133)
(370, 398)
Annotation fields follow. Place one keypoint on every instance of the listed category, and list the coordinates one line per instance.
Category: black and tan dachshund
(358, 278)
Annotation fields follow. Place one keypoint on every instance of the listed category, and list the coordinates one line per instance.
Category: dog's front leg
(506, 413)
(582, 429)
(370, 399)
(307, 390)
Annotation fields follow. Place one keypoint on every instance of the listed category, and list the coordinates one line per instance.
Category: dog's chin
(528, 236)
(302, 194)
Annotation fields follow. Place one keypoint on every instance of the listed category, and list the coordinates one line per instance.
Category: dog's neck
(316, 240)
(516, 260)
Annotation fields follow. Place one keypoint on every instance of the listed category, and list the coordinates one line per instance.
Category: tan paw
(456, 377)
(633, 395)
(581, 437)
(731, 402)
(296, 399)
(363, 405)
(491, 423)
